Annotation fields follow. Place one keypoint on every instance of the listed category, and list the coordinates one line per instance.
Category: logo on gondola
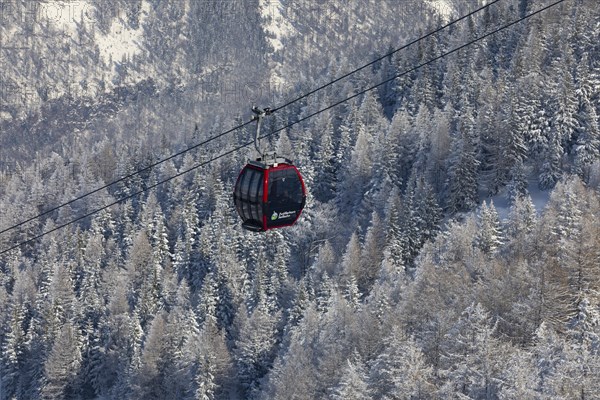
(282, 215)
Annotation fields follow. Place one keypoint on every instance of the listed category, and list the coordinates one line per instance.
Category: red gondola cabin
(269, 195)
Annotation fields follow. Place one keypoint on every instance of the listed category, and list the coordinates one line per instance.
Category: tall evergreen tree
(462, 174)
(61, 366)
(474, 356)
(351, 261)
(401, 371)
(13, 353)
(587, 145)
(255, 347)
(371, 253)
(353, 385)
(490, 236)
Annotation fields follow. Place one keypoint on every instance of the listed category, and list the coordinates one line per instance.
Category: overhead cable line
(129, 176)
(449, 24)
(431, 61)
(285, 127)
(212, 138)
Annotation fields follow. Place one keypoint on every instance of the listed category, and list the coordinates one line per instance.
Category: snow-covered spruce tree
(13, 352)
(89, 275)
(550, 352)
(490, 236)
(463, 165)
(154, 360)
(512, 146)
(587, 144)
(352, 293)
(410, 225)
(522, 219)
(333, 340)
(326, 180)
(399, 152)
(395, 240)
(357, 174)
(517, 186)
(212, 363)
(550, 170)
(430, 213)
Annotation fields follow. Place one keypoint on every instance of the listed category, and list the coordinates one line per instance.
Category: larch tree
(519, 379)
(294, 375)
(354, 381)
(350, 264)
(325, 263)
(371, 253)
(60, 369)
(401, 370)
(565, 267)
(473, 356)
(255, 347)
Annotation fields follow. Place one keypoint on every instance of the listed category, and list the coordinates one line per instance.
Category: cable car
(269, 192)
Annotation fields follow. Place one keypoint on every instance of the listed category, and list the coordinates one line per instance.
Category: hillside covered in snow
(449, 247)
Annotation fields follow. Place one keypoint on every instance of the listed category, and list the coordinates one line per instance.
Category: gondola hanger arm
(259, 114)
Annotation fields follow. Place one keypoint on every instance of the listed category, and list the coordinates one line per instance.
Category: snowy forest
(449, 247)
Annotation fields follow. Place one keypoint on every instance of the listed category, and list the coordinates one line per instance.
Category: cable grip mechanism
(258, 116)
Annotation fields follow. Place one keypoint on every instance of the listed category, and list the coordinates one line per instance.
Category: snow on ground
(443, 8)
(68, 15)
(539, 198)
(64, 15)
(276, 24)
(278, 28)
(502, 204)
(121, 42)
